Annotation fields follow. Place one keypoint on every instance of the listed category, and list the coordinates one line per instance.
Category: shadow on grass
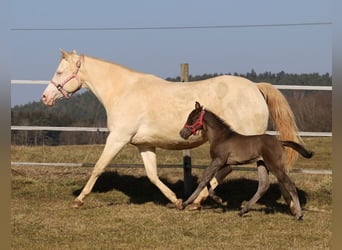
(234, 192)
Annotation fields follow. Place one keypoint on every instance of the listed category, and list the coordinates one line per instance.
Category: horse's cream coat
(148, 112)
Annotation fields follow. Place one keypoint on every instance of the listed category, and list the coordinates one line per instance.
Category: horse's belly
(167, 142)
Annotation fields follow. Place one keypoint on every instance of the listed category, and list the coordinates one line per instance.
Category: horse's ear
(74, 51)
(64, 53)
(198, 105)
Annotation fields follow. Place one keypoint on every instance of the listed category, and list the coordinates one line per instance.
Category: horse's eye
(59, 73)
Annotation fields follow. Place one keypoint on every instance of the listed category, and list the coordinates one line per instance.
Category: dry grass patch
(126, 211)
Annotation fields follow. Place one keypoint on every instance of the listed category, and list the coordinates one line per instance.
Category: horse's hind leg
(285, 193)
(264, 184)
(289, 189)
(287, 198)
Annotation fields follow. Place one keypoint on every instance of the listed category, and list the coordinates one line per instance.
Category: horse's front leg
(214, 182)
(113, 145)
(208, 174)
(148, 155)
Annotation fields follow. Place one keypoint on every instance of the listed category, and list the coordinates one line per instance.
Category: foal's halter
(60, 86)
(197, 125)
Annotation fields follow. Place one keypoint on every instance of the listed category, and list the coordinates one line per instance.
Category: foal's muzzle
(185, 133)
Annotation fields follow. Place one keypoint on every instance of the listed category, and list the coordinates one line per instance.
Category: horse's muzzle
(185, 133)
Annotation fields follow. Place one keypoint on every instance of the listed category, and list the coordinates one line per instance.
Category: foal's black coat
(228, 147)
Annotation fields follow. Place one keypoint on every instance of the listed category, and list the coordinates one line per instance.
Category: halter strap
(60, 86)
(197, 125)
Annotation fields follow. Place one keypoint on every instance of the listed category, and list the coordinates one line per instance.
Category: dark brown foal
(228, 147)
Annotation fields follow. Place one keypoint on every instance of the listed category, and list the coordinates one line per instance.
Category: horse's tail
(282, 117)
(299, 148)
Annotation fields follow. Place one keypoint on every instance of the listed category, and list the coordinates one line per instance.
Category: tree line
(313, 110)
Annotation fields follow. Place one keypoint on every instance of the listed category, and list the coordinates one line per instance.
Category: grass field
(126, 211)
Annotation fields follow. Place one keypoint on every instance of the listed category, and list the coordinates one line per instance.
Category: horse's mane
(220, 122)
(114, 64)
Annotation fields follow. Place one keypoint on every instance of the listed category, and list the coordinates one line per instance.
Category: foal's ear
(198, 105)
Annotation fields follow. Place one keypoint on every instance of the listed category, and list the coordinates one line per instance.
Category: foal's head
(194, 122)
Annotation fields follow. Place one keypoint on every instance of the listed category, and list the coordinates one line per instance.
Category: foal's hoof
(296, 212)
(218, 200)
(194, 206)
(299, 217)
(242, 212)
(76, 203)
(178, 204)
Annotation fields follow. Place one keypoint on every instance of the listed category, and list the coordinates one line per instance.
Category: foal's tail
(282, 117)
(299, 148)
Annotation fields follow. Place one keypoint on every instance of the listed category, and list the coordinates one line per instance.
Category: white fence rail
(294, 87)
(99, 129)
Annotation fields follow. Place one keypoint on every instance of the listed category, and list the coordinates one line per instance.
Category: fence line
(48, 128)
(100, 129)
(45, 82)
(303, 87)
(293, 87)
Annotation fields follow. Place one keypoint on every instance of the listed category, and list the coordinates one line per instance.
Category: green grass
(126, 211)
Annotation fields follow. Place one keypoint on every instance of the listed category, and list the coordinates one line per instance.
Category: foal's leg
(113, 145)
(214, 182)
(208, 174)
(287, 198)
(219, 177)
(285, 193)
(289, 187)
(264, 184)
(148, 155)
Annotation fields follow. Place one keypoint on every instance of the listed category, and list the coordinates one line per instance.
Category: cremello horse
(134, 101)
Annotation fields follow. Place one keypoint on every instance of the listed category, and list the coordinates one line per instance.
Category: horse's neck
(105, 79)
(215, 126)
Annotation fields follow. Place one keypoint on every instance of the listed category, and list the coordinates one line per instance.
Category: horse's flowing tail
(299, 148)
(282, 117)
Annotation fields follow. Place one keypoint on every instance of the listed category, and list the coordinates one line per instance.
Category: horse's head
(194, 122)
(66, 80)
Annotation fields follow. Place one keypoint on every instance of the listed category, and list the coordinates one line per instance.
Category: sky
(38, 28)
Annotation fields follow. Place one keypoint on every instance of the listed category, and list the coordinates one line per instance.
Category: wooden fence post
(186, 153)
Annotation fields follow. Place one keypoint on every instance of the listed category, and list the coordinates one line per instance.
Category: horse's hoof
(243, 211)
(76, 203)
(299, 217)
(218, 201)
(194, 206)
(293, 209)
(178, 204)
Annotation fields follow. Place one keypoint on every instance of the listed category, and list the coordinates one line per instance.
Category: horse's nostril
(43, 97)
